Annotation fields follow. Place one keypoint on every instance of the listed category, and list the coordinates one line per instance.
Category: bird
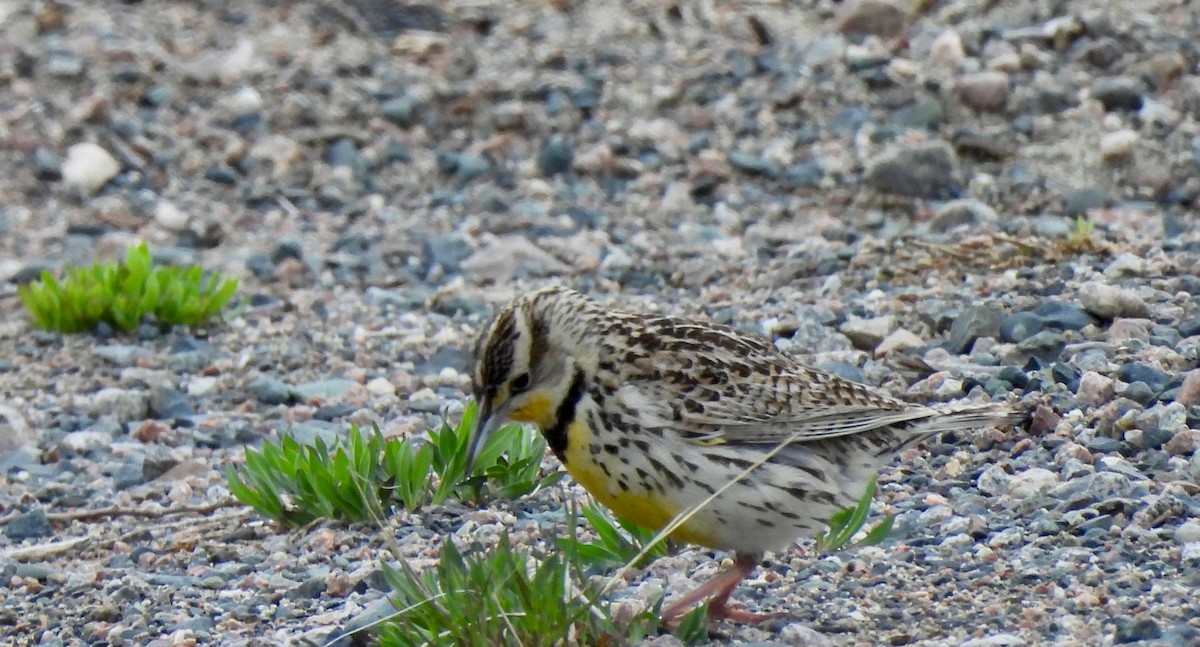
(656, 415)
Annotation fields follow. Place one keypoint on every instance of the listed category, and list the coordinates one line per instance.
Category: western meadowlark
(653, 415)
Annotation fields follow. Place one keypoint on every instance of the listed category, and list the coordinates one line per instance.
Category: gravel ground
(889, 190)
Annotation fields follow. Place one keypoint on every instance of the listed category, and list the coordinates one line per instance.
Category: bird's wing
(713, 384)
(765, 397)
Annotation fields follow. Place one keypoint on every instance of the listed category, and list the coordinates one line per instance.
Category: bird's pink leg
(718, 590)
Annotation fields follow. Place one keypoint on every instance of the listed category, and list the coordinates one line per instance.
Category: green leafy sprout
(533, 597)
(368, 477)
(617, 542)
(846, 523)
(122, 295)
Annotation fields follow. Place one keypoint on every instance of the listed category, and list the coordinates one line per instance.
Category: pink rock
(875, 17)
(1094, 388)
(1189, 391)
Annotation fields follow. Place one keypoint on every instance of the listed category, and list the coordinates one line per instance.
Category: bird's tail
(951, 417)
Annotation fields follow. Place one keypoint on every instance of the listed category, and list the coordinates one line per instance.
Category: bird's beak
(485, 425)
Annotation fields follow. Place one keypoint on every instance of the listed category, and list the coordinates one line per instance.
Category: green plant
(295, 484)
(505, 596)
(509, 464)
(123, 295)
(618, 542)
(846, 523)
(369, 476)
(509, 596)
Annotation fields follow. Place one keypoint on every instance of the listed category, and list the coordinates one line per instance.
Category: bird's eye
(520, 383)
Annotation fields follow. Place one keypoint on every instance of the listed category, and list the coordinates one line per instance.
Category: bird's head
(528, 361)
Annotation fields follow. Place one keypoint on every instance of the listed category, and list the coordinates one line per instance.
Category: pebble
(1189, 390)
(89, 167)
(1034, 480)
(984, 91)
(171, 217)
(1125, 264)
(381, 386)
(1109, 301)
(995, 640)
(508, 257)
(899, 340)
(799, 635)
(269, 390)
(556, 157)
(973, 323)
(1118, 144)
(1184, 442)
(957, 213)
(86, 441)
(947, 49)
(920, 171)
(866, 334)
(29, 525)
(876, 17)
(328, 389)
(1119, 93)
(122, 405)
(1094, 389)
(46, 165)
(1144, 373)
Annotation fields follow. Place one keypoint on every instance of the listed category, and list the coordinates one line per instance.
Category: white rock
(1187, 532)
(984, 91)
(1110, 301)
(381, 386)
(86, 440)
(900, 339)
(947, 49)
(1118, 144)
(616, 258)
(202, 385)
(1031, 481)
(123, 405)
(993, 480)
(170, 217)
(1126, 264)
(245, 100)
(89, 166)
(798, 634)
(995, 640)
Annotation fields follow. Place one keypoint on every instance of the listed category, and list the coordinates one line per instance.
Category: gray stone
(1019, 326)
(46, 165)
(447, 250)
(29, 525)
(922, 171)
(556, 157)
(401, 111)
(957, 213)
(167, 403)
(1119, 92)
(269, 390)
(329, 389)
(971, 324)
